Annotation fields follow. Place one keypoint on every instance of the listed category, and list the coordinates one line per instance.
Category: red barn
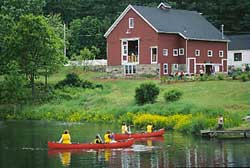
(162, 40)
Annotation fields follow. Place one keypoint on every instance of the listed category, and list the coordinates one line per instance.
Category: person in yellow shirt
(107, 137)
(149, 128)
(65, 139)
(124, 128)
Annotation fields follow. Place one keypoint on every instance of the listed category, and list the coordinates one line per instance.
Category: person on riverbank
(150, 128)
(124, 128)
(220, 122)
(65, 138)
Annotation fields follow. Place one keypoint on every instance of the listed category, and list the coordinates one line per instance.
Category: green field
(116, 100)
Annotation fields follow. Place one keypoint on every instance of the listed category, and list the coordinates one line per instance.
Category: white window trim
(132, 66)
(221, 53)
(166, 52)
(181, 49)
(155, 62)
(209, 51)
(131, 23)
(199, 53)
(165, 68)
(175, 50)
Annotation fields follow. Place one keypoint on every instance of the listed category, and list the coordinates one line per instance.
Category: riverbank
(198, 108)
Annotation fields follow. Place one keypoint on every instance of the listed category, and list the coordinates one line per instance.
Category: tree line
(32, 31)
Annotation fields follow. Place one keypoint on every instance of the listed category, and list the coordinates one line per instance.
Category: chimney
(164, 6)
(222, 31)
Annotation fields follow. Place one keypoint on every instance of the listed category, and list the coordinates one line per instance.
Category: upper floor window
(197, 53)
(237, 56)
(165, 52)
(131, 23)
(221, 53)
(181, 51)
(175, 52)
(209, 53)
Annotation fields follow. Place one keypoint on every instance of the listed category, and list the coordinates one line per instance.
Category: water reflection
(174, 150)
(65, 158)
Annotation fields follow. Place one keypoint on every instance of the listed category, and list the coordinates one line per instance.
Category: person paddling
(149, 128)
(97, 140)
(65, 138)
(107, 137)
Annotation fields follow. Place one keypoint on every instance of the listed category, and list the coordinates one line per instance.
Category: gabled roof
(188, 24)
(239, 42)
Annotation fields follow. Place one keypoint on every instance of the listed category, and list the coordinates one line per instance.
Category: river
(23, 144)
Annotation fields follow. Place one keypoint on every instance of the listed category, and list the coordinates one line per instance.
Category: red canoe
(121, 144)
(160, 132)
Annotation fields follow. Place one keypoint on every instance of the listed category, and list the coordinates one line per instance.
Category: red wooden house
(162, 40)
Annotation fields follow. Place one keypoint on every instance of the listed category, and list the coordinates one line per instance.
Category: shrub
(72, 79)
(220, 77)
(172, 95)
(243, 77)
(146, 93)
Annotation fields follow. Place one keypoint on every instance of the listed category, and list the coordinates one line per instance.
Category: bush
(243, 77)
(172, 95)
(221, 77)
(146, 93)
(72, 79)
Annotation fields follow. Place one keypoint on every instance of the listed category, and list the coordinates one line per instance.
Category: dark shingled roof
(239, 42)
(189, 23)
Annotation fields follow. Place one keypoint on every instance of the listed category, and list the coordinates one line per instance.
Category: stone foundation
(141, 69)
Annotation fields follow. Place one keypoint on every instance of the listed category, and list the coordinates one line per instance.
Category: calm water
(24, 144)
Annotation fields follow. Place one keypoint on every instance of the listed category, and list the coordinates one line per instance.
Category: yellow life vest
(66, 139)
(97, 141)
(107, 138)
(149, 128)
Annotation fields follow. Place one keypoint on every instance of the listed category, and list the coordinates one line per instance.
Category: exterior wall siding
(238, 64)
(146, 34)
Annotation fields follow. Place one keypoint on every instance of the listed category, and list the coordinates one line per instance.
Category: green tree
(6, 28)
(17, 8)
(35, 46)
(86, 56)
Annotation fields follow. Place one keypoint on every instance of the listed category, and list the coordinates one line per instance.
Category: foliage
(146, 93)
(172, 95)
(35, 47)
(243, 77)
(13, 86)
(17, 8)
(73, 80)
(220, 76)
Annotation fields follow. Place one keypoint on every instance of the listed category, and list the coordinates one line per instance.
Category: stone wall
(141, 69)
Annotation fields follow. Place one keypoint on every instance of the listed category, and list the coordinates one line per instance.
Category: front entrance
(208, 69)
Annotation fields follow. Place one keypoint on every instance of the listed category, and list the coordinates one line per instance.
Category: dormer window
(131, 23)
(164, 6)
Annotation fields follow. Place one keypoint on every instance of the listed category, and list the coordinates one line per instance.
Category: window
(131, 23)
(165, 68)
(165, 52)
(130, 69)
(153, 54)
(197, 53)
(221, 53)
(237, 56)
(209, 53)
(181, 51)
(175, 52)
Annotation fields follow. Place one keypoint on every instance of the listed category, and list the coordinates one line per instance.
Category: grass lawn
(117, 97)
